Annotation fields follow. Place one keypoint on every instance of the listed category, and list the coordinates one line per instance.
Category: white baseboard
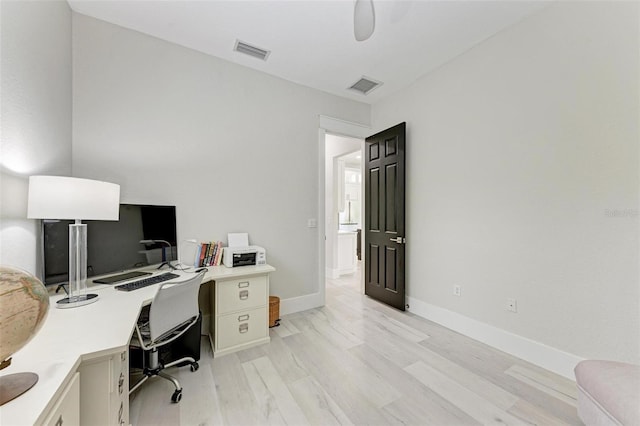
(332, 273)
(301, 303)
(349, 270)
(537, 353)
(337, 273)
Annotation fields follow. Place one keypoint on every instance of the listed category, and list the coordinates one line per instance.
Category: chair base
(156, 370)
(151, 362)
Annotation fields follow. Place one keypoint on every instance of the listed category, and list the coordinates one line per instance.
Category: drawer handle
(244, 327)
(60, 421)
(120, 412)
(120, 383)
(244, 294)
(244, 317)
(243, 284)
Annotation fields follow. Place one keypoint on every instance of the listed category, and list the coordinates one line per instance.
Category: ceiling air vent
(365, 85)
(250, 50)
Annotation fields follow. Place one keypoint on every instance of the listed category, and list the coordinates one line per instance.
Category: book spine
(203, 252)
(209, 253)
(213, 254)
(218, 260)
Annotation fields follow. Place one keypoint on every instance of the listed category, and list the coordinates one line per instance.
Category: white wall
(36, 115)
(522, 162)
(234, 149)
(335, 146)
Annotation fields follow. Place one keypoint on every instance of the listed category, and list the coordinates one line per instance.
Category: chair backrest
(174, 304)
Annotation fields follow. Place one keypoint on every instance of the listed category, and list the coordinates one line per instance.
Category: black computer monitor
(112, 246)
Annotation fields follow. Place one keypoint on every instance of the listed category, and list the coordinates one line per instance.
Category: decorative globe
(24, 303)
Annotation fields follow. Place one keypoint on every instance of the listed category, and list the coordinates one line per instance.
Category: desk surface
(70, 336)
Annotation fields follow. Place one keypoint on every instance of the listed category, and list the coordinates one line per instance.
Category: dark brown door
(384, 212)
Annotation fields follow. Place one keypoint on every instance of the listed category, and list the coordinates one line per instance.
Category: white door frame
(340, 127)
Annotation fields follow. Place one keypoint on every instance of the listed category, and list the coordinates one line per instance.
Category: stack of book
(210, 254)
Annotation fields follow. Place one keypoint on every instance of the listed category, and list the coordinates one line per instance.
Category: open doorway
(344, 200)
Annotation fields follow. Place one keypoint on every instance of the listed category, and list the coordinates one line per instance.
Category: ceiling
(312, 42)
(352, 159)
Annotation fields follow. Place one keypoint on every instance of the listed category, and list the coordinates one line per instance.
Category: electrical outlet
(512, 305)
(457, 290)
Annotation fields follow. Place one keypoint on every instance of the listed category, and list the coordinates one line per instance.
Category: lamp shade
(59, 197)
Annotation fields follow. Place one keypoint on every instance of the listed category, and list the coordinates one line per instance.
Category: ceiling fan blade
(364, 20)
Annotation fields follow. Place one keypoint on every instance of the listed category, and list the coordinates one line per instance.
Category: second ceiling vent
(365, 85)
(250, 50)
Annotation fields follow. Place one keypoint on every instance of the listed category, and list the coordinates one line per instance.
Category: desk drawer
(241, 327)
(67, 409)
(239, 294)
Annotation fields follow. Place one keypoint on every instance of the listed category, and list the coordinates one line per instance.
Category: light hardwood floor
(356, 362)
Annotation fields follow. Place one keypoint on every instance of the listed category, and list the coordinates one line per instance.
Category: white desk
(73, 338)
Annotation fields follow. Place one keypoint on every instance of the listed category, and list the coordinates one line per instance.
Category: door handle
(399, 240)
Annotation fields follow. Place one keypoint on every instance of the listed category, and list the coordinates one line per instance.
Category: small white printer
(242, 256)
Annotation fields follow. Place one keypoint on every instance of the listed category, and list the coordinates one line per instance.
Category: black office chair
(173, 311)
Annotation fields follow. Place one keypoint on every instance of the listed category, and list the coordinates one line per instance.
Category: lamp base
(75, 301)
(14, 385)
(173, 268)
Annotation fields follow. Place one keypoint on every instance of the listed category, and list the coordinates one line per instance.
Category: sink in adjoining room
(347, 251)
(348, 227)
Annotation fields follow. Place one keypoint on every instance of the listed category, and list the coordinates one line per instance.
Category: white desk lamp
(58, 197)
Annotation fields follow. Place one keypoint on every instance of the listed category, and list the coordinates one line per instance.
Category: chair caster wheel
(195, 366)
(177, 396)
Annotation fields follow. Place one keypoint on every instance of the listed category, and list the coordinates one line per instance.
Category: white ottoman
(608, 393)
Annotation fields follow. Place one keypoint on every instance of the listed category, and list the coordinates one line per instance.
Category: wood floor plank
(469, 402)
(390, 346)
(271, 393)
(344, 311)
(319, 408)
(491, 364)
(252, 353)
(286, 328)
(286, 361)
(333, 330)
(235, 397)
(337, 381)
(151, 404)
(396, 327)
(533, 415)
(347, 368)
(466, 378)
(563, 390)
(418, 404)
(357, 361)
(388, 322)
(405, 411)
(199, 405)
